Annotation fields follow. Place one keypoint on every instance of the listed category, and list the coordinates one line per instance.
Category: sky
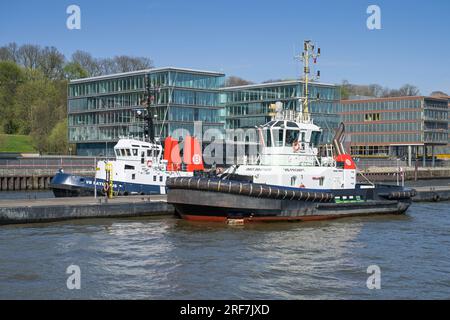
(252, 39)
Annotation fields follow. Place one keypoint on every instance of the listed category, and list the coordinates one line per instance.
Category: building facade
(248, 106)
(402, 127)
(102, 109)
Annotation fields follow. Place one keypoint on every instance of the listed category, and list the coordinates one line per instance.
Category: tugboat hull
(223, 205)
(211, 206)
(68, 185)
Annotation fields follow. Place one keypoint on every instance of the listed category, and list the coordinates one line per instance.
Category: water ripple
(166, 258)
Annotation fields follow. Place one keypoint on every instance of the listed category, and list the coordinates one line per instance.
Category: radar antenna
(309, 53)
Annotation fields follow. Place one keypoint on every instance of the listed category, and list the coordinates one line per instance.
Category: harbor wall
(50, 213)
(392, 174)
(35, 172)
(23, 183)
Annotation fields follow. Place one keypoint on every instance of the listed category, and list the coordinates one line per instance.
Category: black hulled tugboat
(292, 180)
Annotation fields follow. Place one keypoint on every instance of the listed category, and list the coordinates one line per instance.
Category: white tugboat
(291, 181)
(140, 167)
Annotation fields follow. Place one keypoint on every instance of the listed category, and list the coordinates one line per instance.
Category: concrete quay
(58, 209)
(432, 194)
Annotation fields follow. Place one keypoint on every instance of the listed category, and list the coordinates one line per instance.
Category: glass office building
(397, 127)
(248, 106)
(101, 110)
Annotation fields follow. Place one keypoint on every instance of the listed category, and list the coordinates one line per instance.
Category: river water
(167, 258)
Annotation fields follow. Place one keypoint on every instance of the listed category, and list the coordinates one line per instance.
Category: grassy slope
(15, 143)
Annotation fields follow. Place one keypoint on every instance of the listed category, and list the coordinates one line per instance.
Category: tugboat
(139, 167)
(292, 181)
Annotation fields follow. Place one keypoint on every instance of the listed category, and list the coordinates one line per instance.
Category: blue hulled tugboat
(140, 167)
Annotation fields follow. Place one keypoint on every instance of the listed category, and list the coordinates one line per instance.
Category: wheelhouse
(285, 133)
(137, 150)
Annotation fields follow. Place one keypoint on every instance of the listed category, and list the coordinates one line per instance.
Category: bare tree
(107, 66)
(439, 94)
(29, 55)
(232, 81)
(102, 66)
(273, 80)
(406, 90)
(127, 63)
(87, 62)
(409, 90)
(51, 62)
(376, 91)
(10, 52)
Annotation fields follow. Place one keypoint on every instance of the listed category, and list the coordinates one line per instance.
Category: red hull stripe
(261, 219)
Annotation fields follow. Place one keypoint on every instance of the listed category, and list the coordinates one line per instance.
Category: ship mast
(309, 53)
(146, 114)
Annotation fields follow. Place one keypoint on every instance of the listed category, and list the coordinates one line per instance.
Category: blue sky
(253, 39)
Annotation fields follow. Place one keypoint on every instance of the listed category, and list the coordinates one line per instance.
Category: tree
(127, 63)
(376, 91)
(57, 141)
(29, 55)
(51, 62)
(273, 80)
(409, 90)
(11, 76)
(103, 66)
(87, 62)
(9, 52)
(232, 81)
(73, 70)
(106, 66)
(345, 90)
(439, 94)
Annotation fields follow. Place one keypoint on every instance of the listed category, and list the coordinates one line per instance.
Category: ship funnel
(338, 138)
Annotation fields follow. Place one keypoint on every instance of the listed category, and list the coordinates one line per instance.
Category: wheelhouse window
(277, 134)
(128, 152)
(291, 137)
(135, 152)
(302, 136)
(315, 138)
(267, 138)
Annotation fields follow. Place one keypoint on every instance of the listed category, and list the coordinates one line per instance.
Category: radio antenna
(309, 53)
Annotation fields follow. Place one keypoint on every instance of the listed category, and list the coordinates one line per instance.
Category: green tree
(11, 76)
(57, 140)
(74, 70)
(41, 104)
